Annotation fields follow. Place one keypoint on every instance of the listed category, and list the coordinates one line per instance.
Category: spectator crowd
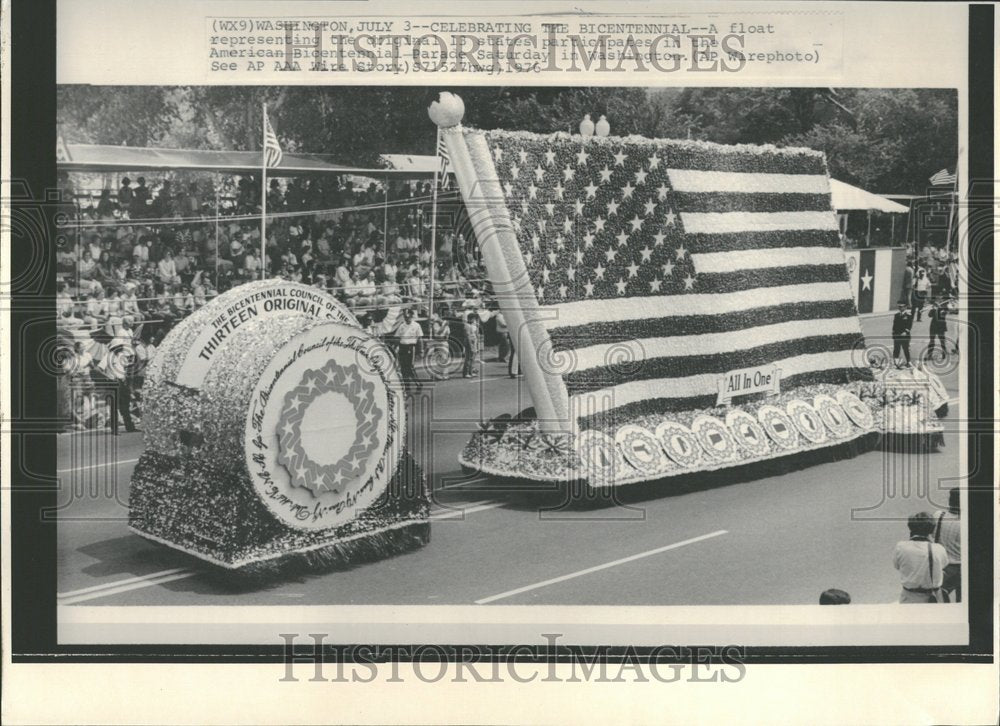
(132, 263)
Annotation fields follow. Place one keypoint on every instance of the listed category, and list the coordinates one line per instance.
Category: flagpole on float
(263, 189)
(434, 224)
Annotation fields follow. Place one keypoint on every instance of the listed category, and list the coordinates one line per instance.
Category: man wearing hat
(920, 562)
(901, 325)
(409, 333)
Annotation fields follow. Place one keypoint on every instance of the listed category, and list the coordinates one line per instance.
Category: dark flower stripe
(596, 333)
(681, 366)
(609, 420)
(718, 282)
(751, 202)
(732, 241)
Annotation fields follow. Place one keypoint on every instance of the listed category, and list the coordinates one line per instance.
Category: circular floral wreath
(833, 415)
(778, 426)
(628, 436)
(667, 431)
(807, 421)
(714, 437)
(331, 378)
(757, 443)
(858, 411)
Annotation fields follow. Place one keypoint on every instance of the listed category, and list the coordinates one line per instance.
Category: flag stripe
(663, 381)
(763, 241)
(616, 310)
(754, 260)
(700, 222)
(733, 159)
(693, 202)
(721, 282)
(571, 338)
(688, 180)
(660, 402)
(716, 363)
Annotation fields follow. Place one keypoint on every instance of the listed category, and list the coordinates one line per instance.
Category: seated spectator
(106, 207)
(167, 270)
(251, 265)
(140, 252)
(64, 300)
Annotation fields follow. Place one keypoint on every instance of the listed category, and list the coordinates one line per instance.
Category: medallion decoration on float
(641, 449)
(778, 426)
(679, 443)
(713, 437)
(599, 456)
(833, 415)
(747, 433)
(807, 421)
(856, 410)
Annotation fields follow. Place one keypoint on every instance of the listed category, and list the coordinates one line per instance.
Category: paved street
(775, 540)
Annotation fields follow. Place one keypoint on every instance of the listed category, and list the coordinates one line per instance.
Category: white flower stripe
(721, 222)
(759, 259)
(689, 180)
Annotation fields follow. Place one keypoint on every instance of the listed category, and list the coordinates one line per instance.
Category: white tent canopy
(848, 198)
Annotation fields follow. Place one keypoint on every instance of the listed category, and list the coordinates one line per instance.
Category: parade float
(275, 438)
(678, 307)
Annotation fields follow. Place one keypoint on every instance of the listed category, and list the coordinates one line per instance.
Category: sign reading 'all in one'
(762, 379)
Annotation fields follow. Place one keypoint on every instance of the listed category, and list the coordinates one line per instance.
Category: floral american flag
(658, 266)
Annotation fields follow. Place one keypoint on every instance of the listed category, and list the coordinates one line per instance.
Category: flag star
(668, 268)
(627, 190)
(654, 161)
(636, 223)
(591, 190)
(599, 224)
(646, 253)
(568, 173)
(612, 207)
(579, 257)
(866, 281)
(559, 189)
(571, 272)
(610, 254)
(552, 261)
(508, 188)
(633, 270)
(621, 285)
(588, 240)
(522, 155)
(650, 208)
(498, 153)
(550, 156)
(661, 192)
(689, 282)
(528, 257)
(540, 291)
(545, 275)
(550, 208)
(622, 238)
(514, 170)
(567, 225)
(588, 288)
(533, 191)
(640, 176)
(539, 173)
(579, 206)
(542, 224)
(599, 271)
(535, 239)
(560, 242)
(654, 284)
(605, 174)
(620, 158)
(671, 218)
(562, 291)
(582, 156)
(680, 252)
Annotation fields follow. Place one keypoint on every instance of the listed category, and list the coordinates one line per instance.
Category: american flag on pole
(444, 160)
(272, 149)
(655, 267)
(943, 178)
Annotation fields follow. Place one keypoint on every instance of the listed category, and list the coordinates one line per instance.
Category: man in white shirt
(409, 333)
(948, 534)
(920, 562)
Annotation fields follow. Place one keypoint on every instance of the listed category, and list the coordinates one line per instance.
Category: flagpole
(434, 218)
(263, 190)
(951, 208)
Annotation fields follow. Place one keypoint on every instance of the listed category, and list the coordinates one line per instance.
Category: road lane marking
(470, 508)
(115, 583)
(116, 588)
(597, 568)
(95, 466)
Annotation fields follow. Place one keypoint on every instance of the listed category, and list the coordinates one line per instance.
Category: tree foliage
(887, 140)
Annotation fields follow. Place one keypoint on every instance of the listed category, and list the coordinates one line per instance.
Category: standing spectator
(471, 329)
(939, 326)
(921, 285)
(118, 363)
(948, 533)
(125, 194)
(907, 294)
(920, 562)
(440, 350)
(901, 326)
(503, 337)
(140, 198)
(409, 333)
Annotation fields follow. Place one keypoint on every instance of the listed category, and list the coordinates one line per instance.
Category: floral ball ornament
(447, 111)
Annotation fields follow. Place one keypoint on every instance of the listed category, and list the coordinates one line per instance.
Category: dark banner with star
(866, 281)
(657, 266)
